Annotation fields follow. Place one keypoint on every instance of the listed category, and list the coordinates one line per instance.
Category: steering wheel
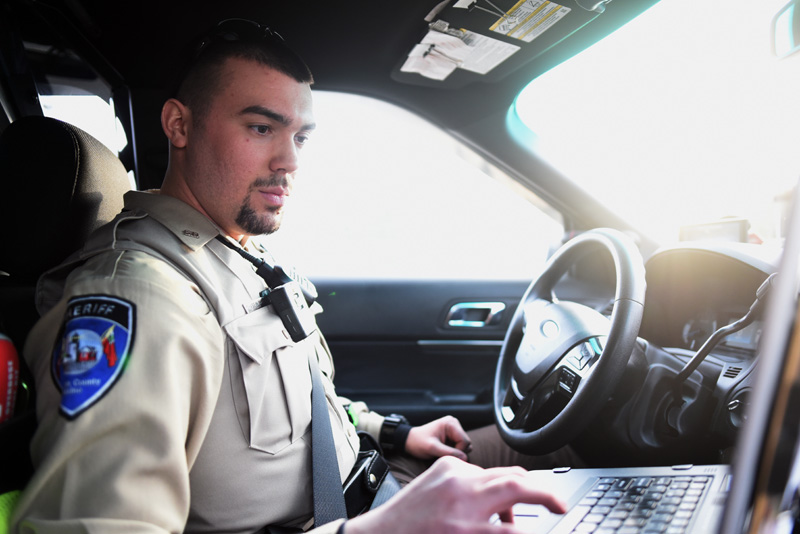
(561, 360)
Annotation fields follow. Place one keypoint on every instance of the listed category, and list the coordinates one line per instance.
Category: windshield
(682, 117)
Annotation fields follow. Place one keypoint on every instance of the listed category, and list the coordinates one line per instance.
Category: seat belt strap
(327, 483)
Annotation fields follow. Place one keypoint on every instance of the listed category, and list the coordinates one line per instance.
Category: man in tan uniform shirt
(171, 398)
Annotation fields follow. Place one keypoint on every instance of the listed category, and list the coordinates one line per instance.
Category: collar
(190, 226)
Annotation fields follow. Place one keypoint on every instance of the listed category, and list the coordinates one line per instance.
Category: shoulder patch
(92, 350)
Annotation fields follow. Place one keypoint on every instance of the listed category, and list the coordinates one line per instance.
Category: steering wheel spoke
(520, 412)
(548, 397)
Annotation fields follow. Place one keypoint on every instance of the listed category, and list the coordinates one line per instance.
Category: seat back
(65, 184)
(59, 184)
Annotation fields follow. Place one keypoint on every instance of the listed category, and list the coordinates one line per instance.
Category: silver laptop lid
(765, 470)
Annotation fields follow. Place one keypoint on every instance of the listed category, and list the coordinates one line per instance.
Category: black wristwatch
(394, 433)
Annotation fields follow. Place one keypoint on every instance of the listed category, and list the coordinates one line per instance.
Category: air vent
(732, 372)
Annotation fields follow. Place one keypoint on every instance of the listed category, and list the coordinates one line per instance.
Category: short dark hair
(234, 38)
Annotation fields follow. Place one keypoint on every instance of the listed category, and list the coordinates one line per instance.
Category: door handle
(475, 314)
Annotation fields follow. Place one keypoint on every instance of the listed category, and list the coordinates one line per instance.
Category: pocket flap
(258, 334)
(272, 384)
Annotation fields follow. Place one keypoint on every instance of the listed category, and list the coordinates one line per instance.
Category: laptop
(758, 492)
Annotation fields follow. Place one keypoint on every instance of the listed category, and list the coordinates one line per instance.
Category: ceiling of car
(355, 46)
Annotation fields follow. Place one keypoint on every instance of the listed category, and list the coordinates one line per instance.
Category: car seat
(59, 184)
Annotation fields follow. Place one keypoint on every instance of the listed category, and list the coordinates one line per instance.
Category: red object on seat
(9, 377)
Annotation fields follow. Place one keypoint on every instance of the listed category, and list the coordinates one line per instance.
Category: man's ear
(175, 120)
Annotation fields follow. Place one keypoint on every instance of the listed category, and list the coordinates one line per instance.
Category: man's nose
(286, 156)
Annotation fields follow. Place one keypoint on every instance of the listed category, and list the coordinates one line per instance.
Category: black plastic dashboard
(693, 290)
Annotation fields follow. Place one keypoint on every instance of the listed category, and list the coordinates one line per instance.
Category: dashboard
(692, 291)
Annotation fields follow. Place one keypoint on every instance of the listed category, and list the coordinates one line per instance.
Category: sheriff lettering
(98, 308)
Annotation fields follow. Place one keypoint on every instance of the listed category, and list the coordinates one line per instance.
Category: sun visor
(465, 41)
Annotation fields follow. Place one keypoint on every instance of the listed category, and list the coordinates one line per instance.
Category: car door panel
(421, 348)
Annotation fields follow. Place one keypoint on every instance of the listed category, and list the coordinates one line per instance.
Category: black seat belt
(326, 481)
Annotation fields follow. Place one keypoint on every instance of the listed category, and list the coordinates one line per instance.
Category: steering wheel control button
(549, 328)
(583, 354)
(568, 381)
(508, 414)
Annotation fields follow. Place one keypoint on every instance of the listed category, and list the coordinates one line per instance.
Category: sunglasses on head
(238, 30)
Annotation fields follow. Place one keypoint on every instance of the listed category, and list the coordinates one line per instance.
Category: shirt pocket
(270, 381)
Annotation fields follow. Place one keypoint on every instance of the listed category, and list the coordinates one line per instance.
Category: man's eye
(261, 128)
(301, 139)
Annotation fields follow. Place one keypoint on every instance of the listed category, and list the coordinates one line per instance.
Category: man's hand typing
(454, 497)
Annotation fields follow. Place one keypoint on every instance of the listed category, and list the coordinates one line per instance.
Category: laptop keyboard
(641, 505)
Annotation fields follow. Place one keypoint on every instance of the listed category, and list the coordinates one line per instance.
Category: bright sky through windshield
(682, 116)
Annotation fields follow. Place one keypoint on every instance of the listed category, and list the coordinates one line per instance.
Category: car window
(684, 120)
(70, 90)
(382, 193)
(91, 114)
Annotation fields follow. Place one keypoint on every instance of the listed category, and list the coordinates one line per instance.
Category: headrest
(59, 183)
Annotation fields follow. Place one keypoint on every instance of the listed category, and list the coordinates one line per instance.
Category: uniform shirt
(169, 396)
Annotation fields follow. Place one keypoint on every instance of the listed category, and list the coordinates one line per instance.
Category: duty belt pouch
(370, 483)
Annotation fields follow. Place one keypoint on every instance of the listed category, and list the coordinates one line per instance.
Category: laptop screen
(766, 474)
